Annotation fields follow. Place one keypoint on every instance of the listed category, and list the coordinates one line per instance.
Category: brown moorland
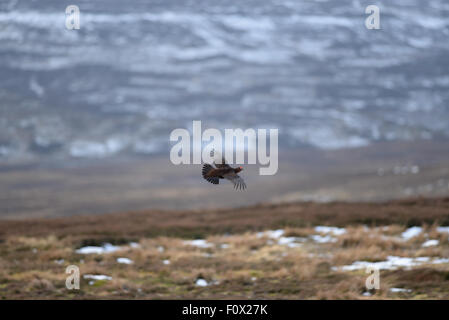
(237, 254)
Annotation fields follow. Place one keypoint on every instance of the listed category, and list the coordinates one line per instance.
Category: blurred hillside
(374, 173)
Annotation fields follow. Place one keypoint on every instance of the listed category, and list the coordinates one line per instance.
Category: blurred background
(85, 115)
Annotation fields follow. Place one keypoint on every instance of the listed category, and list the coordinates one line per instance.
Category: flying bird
(223, 171)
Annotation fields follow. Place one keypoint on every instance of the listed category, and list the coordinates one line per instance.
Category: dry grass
(240, 262)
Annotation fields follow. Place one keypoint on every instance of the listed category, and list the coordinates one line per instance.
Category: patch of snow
(406, 170)
(278, 234)
(400, 290)
(124, 261)
(366, 294)
(36, 87)
(134, 245)
(392, 263)
(333, 230)
(94, 149)
(422, 259)
(201, 283)
(440, 260)
(60, 261)
(166, 262)
(274, 234)
(430, 243)
(322, 239)
(411, 233)
(160, 249)
(224, 246)
(443, 229)
(200, 243)
(414, 169)
(106, 248)
(290, 242)
(97, 277)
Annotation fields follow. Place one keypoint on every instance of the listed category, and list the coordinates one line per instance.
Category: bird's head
(238, 169)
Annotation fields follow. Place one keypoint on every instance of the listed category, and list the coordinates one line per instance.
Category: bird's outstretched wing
(207, 168)
(237, 180)
(219, 160)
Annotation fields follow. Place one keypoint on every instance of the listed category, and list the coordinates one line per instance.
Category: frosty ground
(288, 251)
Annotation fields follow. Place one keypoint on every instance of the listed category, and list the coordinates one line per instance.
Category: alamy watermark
(73, 280)
(373, 280)
(233, 142)
(72, 20)
(373, 20)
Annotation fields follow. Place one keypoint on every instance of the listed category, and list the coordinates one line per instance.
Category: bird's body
(223, 171)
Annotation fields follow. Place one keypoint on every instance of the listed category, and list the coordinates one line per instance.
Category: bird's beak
(241, 168)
